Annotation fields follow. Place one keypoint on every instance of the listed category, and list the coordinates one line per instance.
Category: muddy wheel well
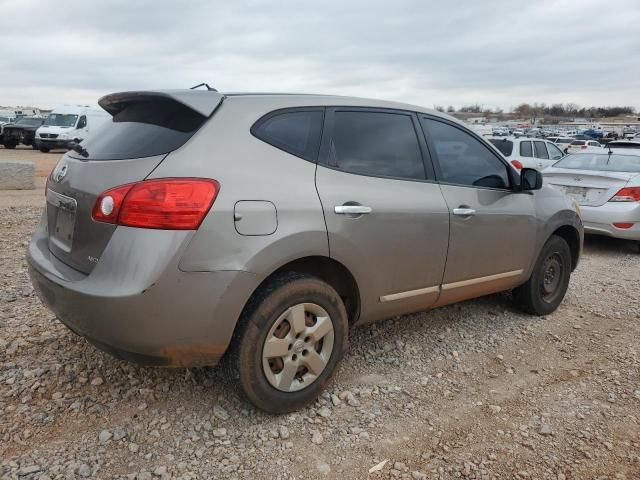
(332, 272)
(572, 237)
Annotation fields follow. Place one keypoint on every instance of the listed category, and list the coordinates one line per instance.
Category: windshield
(505, 146)
(601, 162)
(29, 122)
(61, 120)
(5, 119)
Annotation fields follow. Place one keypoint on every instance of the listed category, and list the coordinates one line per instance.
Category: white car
(578, 146)
(528, 152)
(606, 186)
(561, 142)
(68, 125)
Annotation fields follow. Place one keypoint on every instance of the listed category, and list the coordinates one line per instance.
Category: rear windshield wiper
(76, 147)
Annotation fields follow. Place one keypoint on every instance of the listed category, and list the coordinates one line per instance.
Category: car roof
(205, 101)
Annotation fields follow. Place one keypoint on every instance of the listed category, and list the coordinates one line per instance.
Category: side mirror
(530, 179)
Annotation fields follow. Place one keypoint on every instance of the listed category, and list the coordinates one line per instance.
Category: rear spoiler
(204, 102)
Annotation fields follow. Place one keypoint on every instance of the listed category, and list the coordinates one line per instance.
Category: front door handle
(351, 209)
(464, 212)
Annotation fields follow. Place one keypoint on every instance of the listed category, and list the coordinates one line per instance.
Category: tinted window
(143, 129)
(540, 149)
(463, 159)
(554, 152)
(505, 146)
(376, 143)
(578, 142)
(623, 144)
(296, 132)
(526, 150)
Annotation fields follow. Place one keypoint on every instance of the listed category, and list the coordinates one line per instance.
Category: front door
(492, 227)
(386, 218)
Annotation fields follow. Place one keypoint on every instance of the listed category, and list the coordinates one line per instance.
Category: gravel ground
(475, 390)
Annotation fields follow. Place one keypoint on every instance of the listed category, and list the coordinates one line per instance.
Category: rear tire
(10, 145)
(44, 149)
(291, 336)
(546, 288)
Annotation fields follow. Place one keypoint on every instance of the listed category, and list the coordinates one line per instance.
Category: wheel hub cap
(297, 347)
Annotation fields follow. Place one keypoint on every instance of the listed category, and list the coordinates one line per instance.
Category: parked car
(592, 133)
(5, 118)
(607, 188)
(562, 142)
(68, 125)
(528, 153)
(583, 145)
(22, 131)
(263, 227)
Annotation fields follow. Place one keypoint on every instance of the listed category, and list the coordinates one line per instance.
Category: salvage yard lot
(475, 390)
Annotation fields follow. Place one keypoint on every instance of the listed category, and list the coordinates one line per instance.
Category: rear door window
(295, 131)
(375, 143)
(143, 128)
(526, 150)
(540, 150)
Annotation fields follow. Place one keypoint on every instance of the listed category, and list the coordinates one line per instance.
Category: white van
(67, 124)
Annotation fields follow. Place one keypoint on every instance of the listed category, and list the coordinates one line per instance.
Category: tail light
(165, 203)
(518, 164)
(583, 146)
(623, 225)
(627, 194)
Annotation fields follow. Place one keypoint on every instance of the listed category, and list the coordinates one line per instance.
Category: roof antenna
(211, 89)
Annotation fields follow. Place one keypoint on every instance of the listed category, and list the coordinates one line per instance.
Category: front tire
(547, 286)
(290, 339)
(45, 149)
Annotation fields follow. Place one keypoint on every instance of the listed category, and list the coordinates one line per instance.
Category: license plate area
(64, 219)
(584, 195)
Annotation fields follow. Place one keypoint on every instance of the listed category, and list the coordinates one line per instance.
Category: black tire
(44, 149)
(534, 296)
(10, 145)
(244, 360)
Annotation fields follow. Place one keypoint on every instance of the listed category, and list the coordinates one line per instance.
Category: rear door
(386, 218)
(492, 228)
(144, 128)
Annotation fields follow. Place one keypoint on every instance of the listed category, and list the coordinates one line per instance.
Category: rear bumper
(138, 305)
(600, 220)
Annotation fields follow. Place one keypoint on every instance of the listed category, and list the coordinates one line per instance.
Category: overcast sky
(495, 53)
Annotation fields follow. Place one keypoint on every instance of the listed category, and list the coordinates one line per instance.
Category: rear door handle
(351, 209)
(464, 212)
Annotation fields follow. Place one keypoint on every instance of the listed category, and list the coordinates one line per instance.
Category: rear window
(505, 146)
(578, 142)
(601, 162)
(295, 131)
(635, 145)
(143, 128)
(564, 140)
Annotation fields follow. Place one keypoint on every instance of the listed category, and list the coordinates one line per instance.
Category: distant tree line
(537, 110)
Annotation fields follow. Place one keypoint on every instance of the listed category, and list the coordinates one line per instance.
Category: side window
(594, 144)
(541, 150)
(554, 152)
(297, 132)
(82, 123)
(375, 143)
(463, 159)
(526, 150)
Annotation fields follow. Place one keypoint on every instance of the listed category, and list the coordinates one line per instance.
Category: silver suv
(262, 227)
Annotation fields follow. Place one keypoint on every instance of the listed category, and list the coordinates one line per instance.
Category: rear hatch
(145, 127)
(592, 179)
